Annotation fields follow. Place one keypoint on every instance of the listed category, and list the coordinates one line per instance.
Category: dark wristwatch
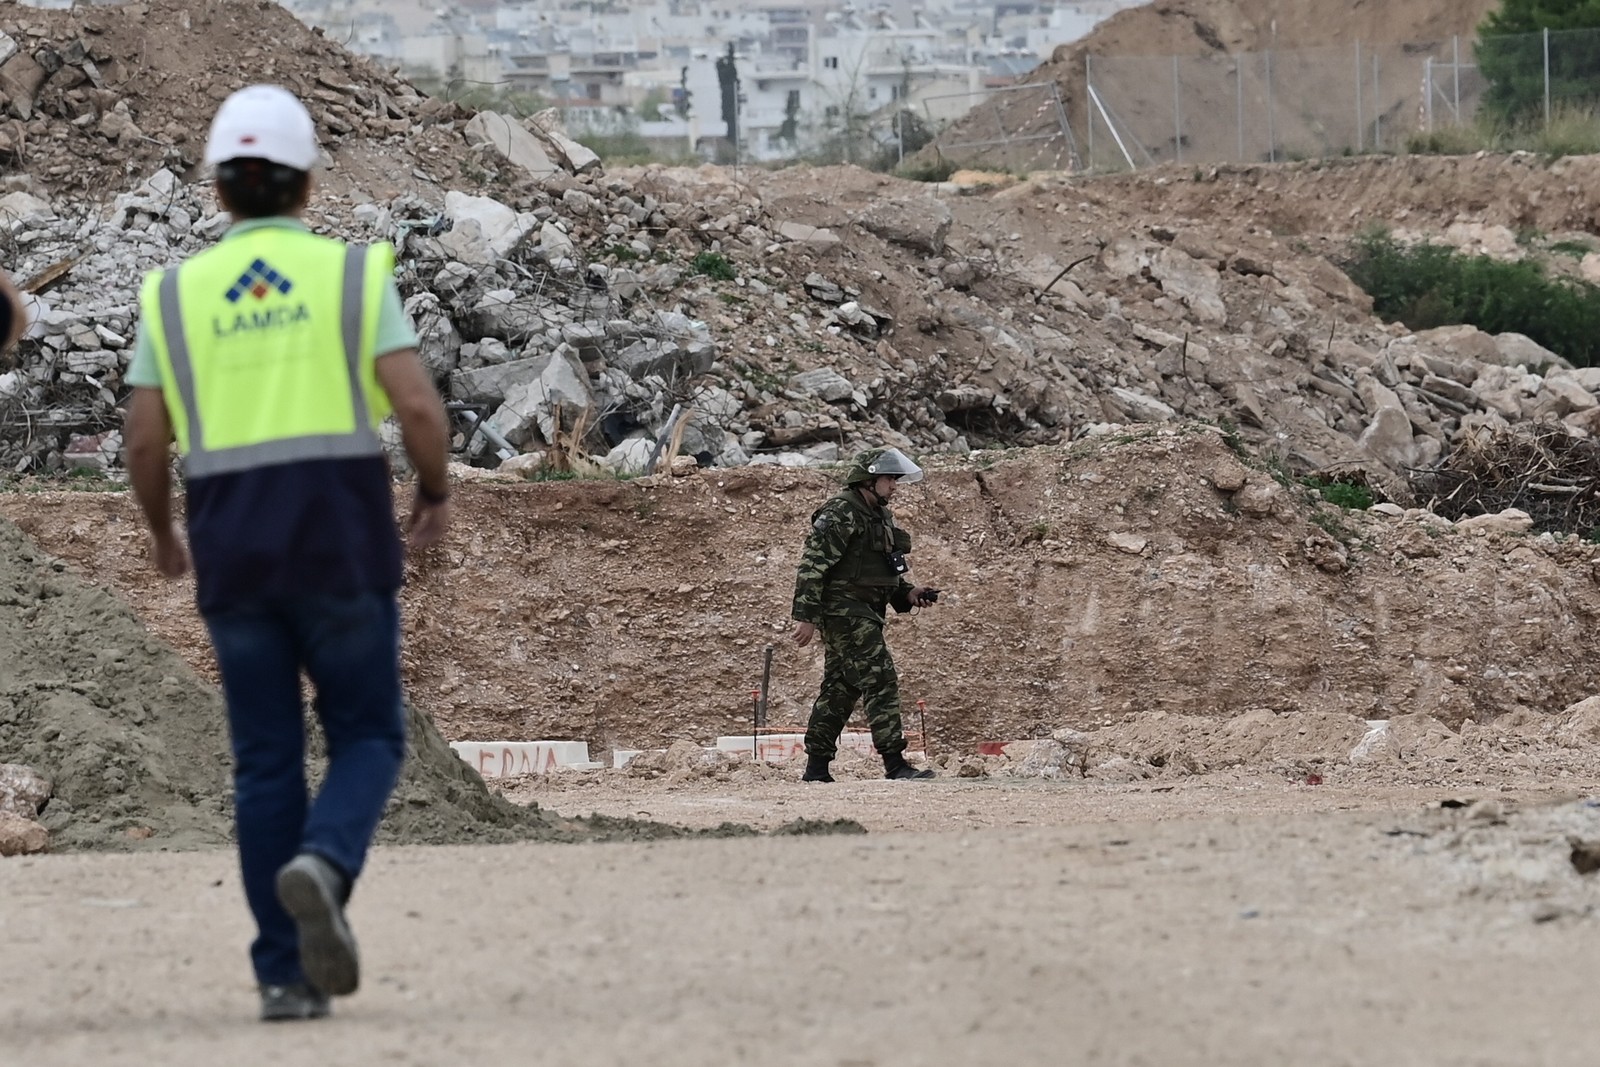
(432, 498)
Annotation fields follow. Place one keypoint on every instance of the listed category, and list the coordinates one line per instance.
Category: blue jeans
(349, 646)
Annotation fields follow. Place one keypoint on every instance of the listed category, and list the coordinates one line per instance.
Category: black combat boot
(816, 770)
(895, 766)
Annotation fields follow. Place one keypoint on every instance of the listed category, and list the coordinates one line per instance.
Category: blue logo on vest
(258, 281)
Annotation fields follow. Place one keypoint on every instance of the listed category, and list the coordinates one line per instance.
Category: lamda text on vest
(263, 319)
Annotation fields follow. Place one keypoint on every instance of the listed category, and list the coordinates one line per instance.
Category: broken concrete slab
(489, 385)
(921, 223)
(578, 158)
(815, 239)
(824, 382)
(482, 229)
(511, 142)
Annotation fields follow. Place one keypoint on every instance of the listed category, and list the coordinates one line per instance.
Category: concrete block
(776, 747)
(502, 759)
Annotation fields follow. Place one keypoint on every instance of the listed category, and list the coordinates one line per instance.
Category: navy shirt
(317, 526)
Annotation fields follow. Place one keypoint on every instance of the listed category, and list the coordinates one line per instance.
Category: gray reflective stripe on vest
(202, 462)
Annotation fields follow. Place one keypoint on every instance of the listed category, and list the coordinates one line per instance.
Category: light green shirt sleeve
(395, 333)
(143, 372)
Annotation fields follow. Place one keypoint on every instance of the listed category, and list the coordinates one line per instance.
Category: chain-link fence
(1017, 127)
(1540, 76)
(1288, 104)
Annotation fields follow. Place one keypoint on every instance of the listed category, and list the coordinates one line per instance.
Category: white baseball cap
(263, 122)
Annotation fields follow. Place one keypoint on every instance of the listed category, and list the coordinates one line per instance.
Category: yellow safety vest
(265, 347)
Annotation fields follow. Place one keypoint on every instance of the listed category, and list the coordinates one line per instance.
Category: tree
(912, 133)
(680, 102)
(1511, 54)
(847, 121)
(728, 81)
(789, 132)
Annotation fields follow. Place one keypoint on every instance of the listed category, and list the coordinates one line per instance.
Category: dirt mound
(1315, 747)
(1442, 198)
(132, 739)
(1312, 92)
(1181, 27)
(99, 96)
(1151, 572)
(136, 745)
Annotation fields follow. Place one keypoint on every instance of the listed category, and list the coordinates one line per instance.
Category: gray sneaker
(281, 1003)
(310, 890)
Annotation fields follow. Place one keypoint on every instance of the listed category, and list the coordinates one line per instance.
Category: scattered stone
(1132, 544)
(826, 383)
(20, 836)
(814, 239)
(918, 224)
(23, 790)
(1510, 522)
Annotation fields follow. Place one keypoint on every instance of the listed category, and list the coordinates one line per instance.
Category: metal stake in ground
(922, 725)
(755, 725)
(758, 715)
(766, 684)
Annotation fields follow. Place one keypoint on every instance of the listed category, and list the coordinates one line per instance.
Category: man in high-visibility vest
(272, 357)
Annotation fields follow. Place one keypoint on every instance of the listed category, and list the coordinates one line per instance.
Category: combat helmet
(875, 462)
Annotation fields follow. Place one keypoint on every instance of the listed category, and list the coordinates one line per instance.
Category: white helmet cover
(263, 122)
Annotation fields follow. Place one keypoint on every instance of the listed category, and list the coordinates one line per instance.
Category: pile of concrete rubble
(535, 341)
(773, 318)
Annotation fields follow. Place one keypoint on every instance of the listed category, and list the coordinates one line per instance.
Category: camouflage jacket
(842, 568)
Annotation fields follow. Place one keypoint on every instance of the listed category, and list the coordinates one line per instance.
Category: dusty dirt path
(995, 803)
(1409, 936)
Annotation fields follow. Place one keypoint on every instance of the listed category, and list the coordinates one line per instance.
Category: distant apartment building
(852, 78)
(808, 70)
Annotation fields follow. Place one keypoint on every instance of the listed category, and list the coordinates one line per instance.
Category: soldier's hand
(803, 633)
(920, 597)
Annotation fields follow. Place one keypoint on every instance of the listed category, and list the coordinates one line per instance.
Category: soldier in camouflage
(851, 571)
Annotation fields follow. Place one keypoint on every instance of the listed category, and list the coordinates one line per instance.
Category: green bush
(1512, 56)
(1452, 141)
(1571, 131)
(622, 148)
(1428, 285)
(713, 265)
(1351, 495)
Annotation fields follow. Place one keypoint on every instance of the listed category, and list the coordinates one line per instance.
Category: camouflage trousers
(856, 666)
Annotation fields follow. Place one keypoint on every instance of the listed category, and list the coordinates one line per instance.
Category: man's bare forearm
(424, 430)
(148, 449)
(425, 433)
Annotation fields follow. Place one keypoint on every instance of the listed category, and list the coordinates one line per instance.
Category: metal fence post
(1377, 107)
(1456, 67)
(1238, 74)
(1074, 161)
(1088, 108)
(1272, 106)
(1177, 111)
(1547, 75)
(1361, 122)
